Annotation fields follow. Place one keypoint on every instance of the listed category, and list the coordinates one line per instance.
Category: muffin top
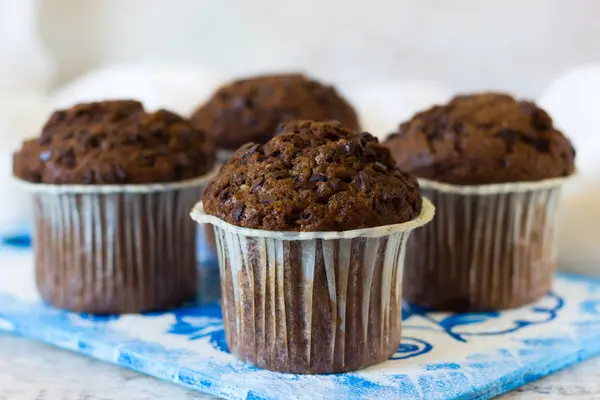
(313, 176)
(250, 110)
(481, 139)
(114, 142)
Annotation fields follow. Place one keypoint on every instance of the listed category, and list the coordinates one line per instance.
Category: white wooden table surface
(34, 371)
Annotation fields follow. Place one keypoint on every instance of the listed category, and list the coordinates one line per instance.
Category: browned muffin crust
(313, 177)
(480, 139)
(114, 142)
(250, 110)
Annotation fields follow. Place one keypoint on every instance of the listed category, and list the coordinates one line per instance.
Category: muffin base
(311, 306)
(115, 253)
(108, 249)
(487, 249)
(309, 303)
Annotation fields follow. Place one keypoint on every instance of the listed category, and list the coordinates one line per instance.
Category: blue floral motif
(476, 371)
(451, 324)
(21, 241)
(217, 340)
(196, 322)
(411, 347)
(97, 318)
(200, 322)
(591, 307)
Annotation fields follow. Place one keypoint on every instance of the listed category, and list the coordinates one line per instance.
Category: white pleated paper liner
(428, 210)
(494, 188)
(312, 302)
(120, 188)
(116, 248)
(490, 246)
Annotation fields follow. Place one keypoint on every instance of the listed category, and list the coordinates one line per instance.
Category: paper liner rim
(494, 188)
(427, 213)
(125, 188)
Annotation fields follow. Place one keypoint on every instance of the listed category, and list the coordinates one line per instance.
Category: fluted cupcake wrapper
(115, 248)
(312, 302)
(490, 246)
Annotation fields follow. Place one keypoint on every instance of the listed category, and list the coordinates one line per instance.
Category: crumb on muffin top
(313, 176)
(481, 139)
(114, 142)
(251, 109)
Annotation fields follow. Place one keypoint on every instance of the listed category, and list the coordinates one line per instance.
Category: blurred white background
(390, 57)
(469, 44)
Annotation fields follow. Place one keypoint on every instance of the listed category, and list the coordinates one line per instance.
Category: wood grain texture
(34, 371)
(580, 381)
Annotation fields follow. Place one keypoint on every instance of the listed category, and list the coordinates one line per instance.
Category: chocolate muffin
(493, 166)
(112, 186)
(313, 177)
(311, 228)
(482, 139)
(251, 109)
